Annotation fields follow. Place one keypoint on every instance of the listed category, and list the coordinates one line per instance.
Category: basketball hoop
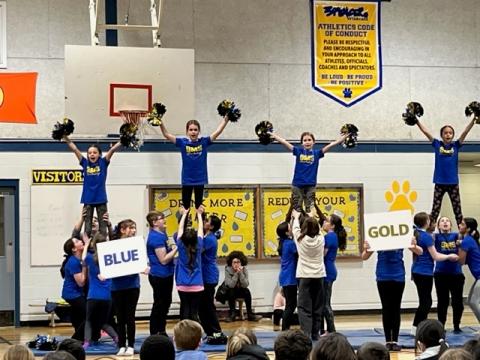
(136, 118)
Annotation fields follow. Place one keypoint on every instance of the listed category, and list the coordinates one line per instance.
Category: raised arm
(327, 147)
(166, 134)
(220, 128)
(86, 242)
(200, 221)
(181, 224)
(112, 150)
(465, 132)
(73, 147)
(424, 130)
(282, 141)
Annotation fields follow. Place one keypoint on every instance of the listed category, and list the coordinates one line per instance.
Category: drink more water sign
(346, 55)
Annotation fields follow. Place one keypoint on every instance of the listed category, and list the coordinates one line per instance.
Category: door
(7, 256)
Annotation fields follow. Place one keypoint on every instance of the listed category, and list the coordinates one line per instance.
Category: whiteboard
(56, 208)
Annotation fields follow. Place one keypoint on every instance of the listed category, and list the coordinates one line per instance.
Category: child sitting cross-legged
(187, 336)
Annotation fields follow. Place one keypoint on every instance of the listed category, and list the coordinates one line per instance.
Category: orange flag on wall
(17, 97)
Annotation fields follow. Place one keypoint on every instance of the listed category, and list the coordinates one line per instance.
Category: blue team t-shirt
(288, 263)
(210, 271)
(306, 166)
(390, 266)
(470, 246)
(445, 243)
(126, 282)
(194, 160)
(70, 289)
(187, 274)
(94, 179)
(446, 162)
(155, 240)
(97, 289)
(423, 264)
(331, 243)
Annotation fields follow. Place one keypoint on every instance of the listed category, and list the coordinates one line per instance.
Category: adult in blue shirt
(336, 239)
(445, 175)
(469, 254)
(74, 276)
(390, 274)
(207, 311)
(99, 300)
(160, 252)
(194, 159)
(125, 294)
(422, 267)
(288, 269)
(448, 276)
(306, 168)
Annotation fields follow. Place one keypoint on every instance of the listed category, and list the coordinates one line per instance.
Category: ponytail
(64, 263)
(340, 231)
(68, 247)
(443, 346)
(472, 228)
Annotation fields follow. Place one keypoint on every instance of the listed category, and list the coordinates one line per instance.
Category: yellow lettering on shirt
(306, 158)
(93, 170)
(193, 149)
(448, 152)
(448, 245)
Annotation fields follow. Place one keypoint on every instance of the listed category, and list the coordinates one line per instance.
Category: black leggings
(125, 305)
(98, 312)
(239, 293)
(290, 293)
(207, 310)
(102, 224)
(189, 304)
(187, 191)
(78, 313)
(454, 194)
(162, 299)
(391, 293)
(424, 284)
(448, 285)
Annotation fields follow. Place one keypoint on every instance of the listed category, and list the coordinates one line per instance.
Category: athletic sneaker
(413, 331)
(121, 351)
(130, 351)
(217, 339)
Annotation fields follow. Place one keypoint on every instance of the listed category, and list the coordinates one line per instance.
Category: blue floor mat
(266, 339)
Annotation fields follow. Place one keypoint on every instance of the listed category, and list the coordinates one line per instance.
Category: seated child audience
(73, 347)
(456, 354)
(18, 352)
(187, 336)
(373, 351)
(242, 345)
(430, 340)
(58, 355)
(155, 345)
(333, 346)
(292, 345)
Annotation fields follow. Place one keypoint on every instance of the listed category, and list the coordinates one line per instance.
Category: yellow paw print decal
(401, 200)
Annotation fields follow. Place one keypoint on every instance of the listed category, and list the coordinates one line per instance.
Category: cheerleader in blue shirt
(207, 310)
(390, 274)
(422, 267)
(288, 269)
(74, 276)
(99, 299)
(125, 294)
(188, 272)
(160, 252)
(94, 193)
(335, 239)
(445, 175)
(448, 276)
(469, 254)
(306, 168)
(194, 159)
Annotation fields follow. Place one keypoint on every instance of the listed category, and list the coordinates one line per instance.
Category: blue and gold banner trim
(346, 51)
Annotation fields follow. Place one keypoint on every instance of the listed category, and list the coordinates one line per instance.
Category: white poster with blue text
(122, 257)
